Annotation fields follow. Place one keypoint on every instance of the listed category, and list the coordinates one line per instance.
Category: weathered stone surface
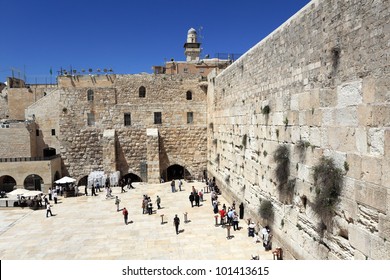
(371, 195)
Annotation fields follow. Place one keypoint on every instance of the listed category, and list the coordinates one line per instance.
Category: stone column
(153, 155)
(109, 151)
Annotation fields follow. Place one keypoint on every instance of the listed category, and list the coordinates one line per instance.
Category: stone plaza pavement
(90, 228)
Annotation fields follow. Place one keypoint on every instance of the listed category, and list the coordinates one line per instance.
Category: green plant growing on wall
(327, 182)
(282, 170)
(266, 210)
(285, 122)
(265, 110)
(244, 139)
(346, 166)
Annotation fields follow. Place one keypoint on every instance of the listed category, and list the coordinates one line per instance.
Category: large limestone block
(386, 143)
(342, 139)
(371, 170)
(384, 226)
(347, 116)
(381, 115)
(357, 255)
(355, 166)
(328, 117)
(365, 115)
(360, 239)
(379, 249)
(368, 89)
(371, 195)
(361, 140)
(294, 103)
(328, 97)
(349, 94)
(376, 141)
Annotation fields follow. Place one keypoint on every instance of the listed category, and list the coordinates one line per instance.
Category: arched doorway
(7, 183)
(33, 182)
(176, 171)
(83, 181)
(132, 176)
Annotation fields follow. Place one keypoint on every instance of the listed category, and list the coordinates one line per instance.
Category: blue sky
(127, 36)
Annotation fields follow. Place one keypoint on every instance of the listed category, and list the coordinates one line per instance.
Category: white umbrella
(32, 193)
(17, 191)
(65, 180)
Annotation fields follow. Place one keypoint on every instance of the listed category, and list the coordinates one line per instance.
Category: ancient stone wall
(45, 112)
(319, 85)
(18, 140)
(82, 144)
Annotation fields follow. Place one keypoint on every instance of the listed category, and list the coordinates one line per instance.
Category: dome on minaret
(191, 30)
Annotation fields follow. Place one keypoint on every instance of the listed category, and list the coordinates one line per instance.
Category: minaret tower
(192, 47)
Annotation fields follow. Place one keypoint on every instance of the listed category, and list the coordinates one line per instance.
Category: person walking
(117, 201)
(173, 186)
(48, 210)
(50, 192)
(176, 222)
(197, 199)
(180, 184)
(235, 221)
(150, 207)
(125, 214)
(55, 196)
(192, 198)
(158, 201)
(93, 191)
(86, 190)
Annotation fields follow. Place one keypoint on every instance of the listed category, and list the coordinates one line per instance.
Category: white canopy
(65, 180)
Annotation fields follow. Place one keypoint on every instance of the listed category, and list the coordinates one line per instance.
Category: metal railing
(20, 159)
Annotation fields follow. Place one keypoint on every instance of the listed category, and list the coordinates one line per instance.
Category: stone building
(146, 126)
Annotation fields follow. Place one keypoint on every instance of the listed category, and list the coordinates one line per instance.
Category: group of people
(195, 197)
(173, 185)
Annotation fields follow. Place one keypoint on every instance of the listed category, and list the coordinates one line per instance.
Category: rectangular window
(37, 132)
(185, 70)
(157, 118)
(190, 117)
(90, 118)
(127, 118)
(53, 132)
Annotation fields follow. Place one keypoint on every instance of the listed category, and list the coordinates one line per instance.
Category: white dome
(191, 30)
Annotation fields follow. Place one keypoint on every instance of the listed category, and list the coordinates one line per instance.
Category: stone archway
(176, 171)
(33, 182)
(132, 176)
(7, 183)
(83, 181)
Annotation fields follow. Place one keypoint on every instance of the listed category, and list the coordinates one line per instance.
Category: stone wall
(18, 140)
(82, 144)
(324, 75)
(45, 112)
(20, 170)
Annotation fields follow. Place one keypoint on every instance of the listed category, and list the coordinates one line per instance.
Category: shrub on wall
(266, 210)
(328, 183)
(282, 159)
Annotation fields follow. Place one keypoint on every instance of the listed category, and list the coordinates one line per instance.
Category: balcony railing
(19, 159)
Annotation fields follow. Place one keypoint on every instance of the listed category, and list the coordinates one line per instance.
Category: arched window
(142, 91)
(90, 95)
(189, 95)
